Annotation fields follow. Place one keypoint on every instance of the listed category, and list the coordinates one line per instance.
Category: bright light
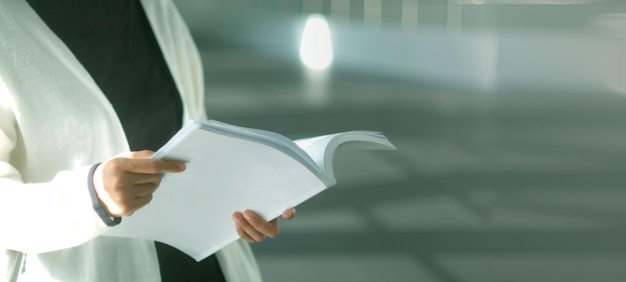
(316, 50)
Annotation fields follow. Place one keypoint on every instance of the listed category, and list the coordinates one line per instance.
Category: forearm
(42, 217)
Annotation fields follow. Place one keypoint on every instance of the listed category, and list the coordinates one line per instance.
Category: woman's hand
(126, 183)
(253, 228)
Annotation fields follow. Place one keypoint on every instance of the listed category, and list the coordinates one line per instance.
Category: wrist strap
(95, 202)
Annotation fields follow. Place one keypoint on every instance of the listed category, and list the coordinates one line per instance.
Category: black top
(113, 40)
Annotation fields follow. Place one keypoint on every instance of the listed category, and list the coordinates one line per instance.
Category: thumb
(145, 154)
(289, 213)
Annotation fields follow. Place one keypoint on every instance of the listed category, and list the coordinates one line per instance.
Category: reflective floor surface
(511, 163)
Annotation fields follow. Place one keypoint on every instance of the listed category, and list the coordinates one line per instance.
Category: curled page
(229, 168)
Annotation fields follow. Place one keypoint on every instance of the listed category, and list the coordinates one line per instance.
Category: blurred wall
(508, 117)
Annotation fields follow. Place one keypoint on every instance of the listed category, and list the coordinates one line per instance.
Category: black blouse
(113, 40)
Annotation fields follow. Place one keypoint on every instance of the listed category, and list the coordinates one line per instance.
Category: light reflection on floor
(524, 187)
(524, 183)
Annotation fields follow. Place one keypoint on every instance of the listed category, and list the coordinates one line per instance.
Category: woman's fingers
(246, 230)
(125, 184)
(253, 228)
(289, 213)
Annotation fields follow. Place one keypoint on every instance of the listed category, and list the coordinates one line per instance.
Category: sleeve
(41, 217)
(95, 202)
(181, 55)
(190, 72)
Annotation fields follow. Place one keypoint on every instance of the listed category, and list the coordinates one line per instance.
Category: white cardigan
(54, 123)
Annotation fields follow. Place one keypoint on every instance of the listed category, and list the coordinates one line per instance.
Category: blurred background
(509, 117)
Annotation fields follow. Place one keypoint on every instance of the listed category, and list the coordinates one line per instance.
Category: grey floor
(489, 184)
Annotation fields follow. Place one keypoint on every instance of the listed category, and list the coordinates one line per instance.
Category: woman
(80, 83)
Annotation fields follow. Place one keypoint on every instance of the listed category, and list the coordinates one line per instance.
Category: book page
(192, 210)
(322, 149)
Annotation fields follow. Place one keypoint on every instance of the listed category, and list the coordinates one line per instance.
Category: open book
(232, 168)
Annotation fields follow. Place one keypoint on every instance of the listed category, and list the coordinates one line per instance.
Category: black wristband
(95, 202)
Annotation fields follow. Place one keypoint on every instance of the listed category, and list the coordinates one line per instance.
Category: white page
(192, 210)
(322, 148)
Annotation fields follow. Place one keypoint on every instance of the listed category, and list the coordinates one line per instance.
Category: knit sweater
(54, 124)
